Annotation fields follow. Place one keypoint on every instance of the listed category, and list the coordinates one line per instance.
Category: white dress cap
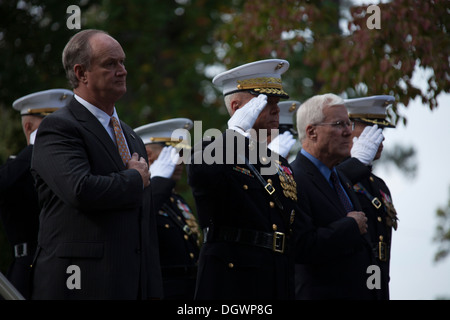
(371, 110)
(262, 76)
(168, 132)
(43, 103)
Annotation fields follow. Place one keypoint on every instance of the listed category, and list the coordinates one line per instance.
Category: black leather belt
(275, 241)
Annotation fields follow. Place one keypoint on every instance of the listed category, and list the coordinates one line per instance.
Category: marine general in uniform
(245, 193)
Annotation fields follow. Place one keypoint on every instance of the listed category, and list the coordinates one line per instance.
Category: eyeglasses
(342, 125)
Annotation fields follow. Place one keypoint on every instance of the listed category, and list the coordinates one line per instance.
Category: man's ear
(235, 104)
(80, 73)
(311, 132)
(28, 128)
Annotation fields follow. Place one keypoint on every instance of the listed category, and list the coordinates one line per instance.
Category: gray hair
(311, 111)
(229, 98)
(78, 51)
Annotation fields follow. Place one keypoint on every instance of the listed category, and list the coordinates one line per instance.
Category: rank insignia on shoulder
(243, 170)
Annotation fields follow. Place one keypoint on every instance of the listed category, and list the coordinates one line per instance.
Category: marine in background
(179, 236)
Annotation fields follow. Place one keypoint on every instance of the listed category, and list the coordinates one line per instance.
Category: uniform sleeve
(354, 170)
(15, 168)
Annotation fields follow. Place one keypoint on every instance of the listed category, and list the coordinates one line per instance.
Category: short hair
(78, 51)
(311, 111)
(239, 95)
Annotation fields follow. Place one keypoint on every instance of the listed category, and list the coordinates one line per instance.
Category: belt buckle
(376, 203)
(20, 250)
(187, 229)
(269, 186)
(278, 241)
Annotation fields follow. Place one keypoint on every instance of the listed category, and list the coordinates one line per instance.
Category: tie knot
(114, 121)
(334, 177)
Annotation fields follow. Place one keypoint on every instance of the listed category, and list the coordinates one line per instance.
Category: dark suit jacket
(229, 195)
(335, 267)
(19, 211)
(95, 214)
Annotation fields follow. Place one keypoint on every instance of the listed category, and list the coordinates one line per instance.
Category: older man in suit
(97, 236)
(337, 267)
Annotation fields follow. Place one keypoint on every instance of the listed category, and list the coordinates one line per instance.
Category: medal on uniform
(287, 181)
(391, 219)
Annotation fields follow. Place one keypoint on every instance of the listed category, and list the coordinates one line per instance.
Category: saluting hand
(244, 118)
(139, 164)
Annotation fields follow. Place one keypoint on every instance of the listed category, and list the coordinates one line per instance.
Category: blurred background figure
(178, 232)
(19, 208)
(368, 115)
(283, 143)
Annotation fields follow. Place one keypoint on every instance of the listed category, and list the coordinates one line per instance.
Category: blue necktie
(341, 193)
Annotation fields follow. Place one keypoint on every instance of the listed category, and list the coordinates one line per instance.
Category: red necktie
(121, 144)
(342, 196)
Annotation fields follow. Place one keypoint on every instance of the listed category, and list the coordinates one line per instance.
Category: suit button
(231, 265)
(274, 227)
(166, 226)
(186, 237)
(272, 204)
(379, 219)
(245, 187)
(191, 255)
(269, 181)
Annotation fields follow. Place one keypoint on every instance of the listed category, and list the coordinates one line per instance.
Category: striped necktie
(120, 139)
(341, 193)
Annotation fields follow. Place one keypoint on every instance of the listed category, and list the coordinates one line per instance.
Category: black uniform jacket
(178, 239)
(336, 265)
(96, 216)
(376, 202)
(19, 210)
(234, 206)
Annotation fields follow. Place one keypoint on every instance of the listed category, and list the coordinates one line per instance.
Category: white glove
(164, 166)
(282, 143)
(33, 136)
(366, 146)
(244, 118)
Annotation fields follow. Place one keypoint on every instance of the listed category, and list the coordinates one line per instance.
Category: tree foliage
(442, 234)
(413, 34)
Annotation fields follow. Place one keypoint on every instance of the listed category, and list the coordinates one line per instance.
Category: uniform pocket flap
(80, 250)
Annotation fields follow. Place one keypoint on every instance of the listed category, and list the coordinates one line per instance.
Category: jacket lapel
(321, 183)
(91, 123)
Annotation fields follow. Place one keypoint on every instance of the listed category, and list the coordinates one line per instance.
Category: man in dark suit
(97, 234)
(178, 232)
(244, 193)
(19, 208)
(337, 267)
(368, 115)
